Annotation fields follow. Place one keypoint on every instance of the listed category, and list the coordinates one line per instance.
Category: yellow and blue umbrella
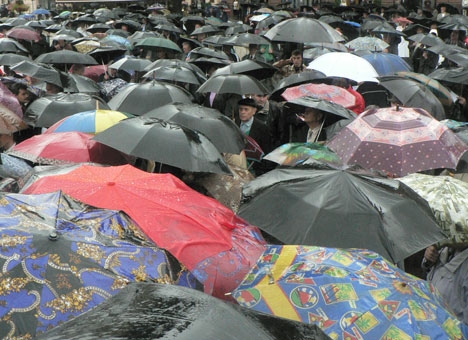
(60, 258)
(350, 294)
(93, 121)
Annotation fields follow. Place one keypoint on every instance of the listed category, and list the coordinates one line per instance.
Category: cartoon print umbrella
(408, 140)
(292, 154)
(350, 294)
(60, 258)
(215, 244)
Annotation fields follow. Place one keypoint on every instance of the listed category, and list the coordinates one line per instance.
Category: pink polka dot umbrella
(398, 141)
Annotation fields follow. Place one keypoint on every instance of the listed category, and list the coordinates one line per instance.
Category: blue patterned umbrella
(353, 294)
(60, 258)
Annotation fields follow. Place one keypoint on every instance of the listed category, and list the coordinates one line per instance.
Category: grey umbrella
(175, 74)
(66, 57)
(233, 83)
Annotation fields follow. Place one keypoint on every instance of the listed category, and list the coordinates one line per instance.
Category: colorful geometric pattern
(350, 294)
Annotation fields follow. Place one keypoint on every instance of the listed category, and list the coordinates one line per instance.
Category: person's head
(21, 92)
(454, 35)
(443, 9)
(313, 117)
(260, 99)
(253, 48)
(186, 47)
(6, 141)
(296, 58)
(124, 28)
(53, 88)
(247, 109)
(78, 69)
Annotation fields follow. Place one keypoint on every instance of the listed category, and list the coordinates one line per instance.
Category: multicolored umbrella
(216, 245)
(92, 122)
(60, 258)
(303, 153)
(331, 93)
(447, 197)
(350, 294)
(368, 43)
(65, 148)
(399, 141)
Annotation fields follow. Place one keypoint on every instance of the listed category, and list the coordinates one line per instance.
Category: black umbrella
(207, 52)
(302, 30)
(175, 63)
(45, 111)
(36, 24)
(54, 28)
(10, 59)
(139, 35)
(222, 131)
(104, 54)
(81, 84)
(237, 29)
(175, 74)
(246, 39)
(456, 75)
(98, 28)
(215, 40)
(205, 30)
(149, 311)
(386, 28)
(119, 32)
(426, 39)
(138, 99)
(335, 111)
(8, 45)
(342, 209)
(461, 59)
(257, 69)
(65, 31)
(413, 94)
(233, 83)
(131, 24)
(169, 28)
(164, 142)
(85, 19)
(206, 63)
(296, 79)
(66, 57)
(42, 72)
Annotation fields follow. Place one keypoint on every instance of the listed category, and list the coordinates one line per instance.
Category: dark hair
(296, 52)
(16, 87)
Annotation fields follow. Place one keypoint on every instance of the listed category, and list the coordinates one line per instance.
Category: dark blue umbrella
(41, 11)
(61, 258)
(387, 64)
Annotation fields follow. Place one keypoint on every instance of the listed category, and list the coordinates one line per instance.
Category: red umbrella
(66, 147)
(93, 72)
(19, 33)
(209, 239)
(399, 141)
(332, 93)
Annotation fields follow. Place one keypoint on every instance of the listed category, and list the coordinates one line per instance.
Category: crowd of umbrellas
(98, 239)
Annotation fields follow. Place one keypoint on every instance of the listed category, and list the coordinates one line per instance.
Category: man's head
(296, 58)
(247, 109)
(21, 92)
(186, 47)
(312, 116)
(260, 99)
(253, 48)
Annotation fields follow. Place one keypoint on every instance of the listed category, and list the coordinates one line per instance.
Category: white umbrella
(345, 65)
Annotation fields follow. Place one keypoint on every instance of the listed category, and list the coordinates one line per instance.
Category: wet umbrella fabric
(19, 33)
(130, 64)
(10, 59)
(158, 43)
(138, 99)
(343, 209)
(222, 131)
(296, 79)
(39, 71)
(64, 258)
(233, 83)
(176, 74)
(208, 238)
(447, 198)
(293, 154)
(81, 84)
(8, 45)
(409, 140)
(349, 294)
(368, 43)
(303, 30)
(456, 75)
(256, 69)
(66, 57)
(150, 311)
(65, 148)
(332, 93)
(92, 122)
(387, 63)
(48, 110)
(164, 142)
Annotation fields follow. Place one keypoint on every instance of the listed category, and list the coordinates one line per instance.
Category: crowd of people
(267, 120)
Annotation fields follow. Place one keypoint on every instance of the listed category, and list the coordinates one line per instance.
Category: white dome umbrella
(345, 65)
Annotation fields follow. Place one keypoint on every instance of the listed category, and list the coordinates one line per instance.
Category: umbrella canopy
(207, 52)
(130, 64)
(303, 30)
(164, 142)
(345, 65)
(91, 122)
(456, 75)
(233, 83)
(246, 39)
(349, 294)
(48, 110)
(66, 57)
(82, 84)
(10, 59)
(11, 107)
(175, 74)
(408, 139)
(61, 258)
(141, 310)
(8, 45)
(20, 33)
(42, 72)
(331, 93)
(208, 238)
(412, 93)
(292, 154)
(138, 99)
(426, 39)
(368, 43)
(158, 43)
(440, 91)
(296, 79)
(336, 208)
(222, 131)
(447, 198)
(66, 147)
(387, 63)
(256, 69)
